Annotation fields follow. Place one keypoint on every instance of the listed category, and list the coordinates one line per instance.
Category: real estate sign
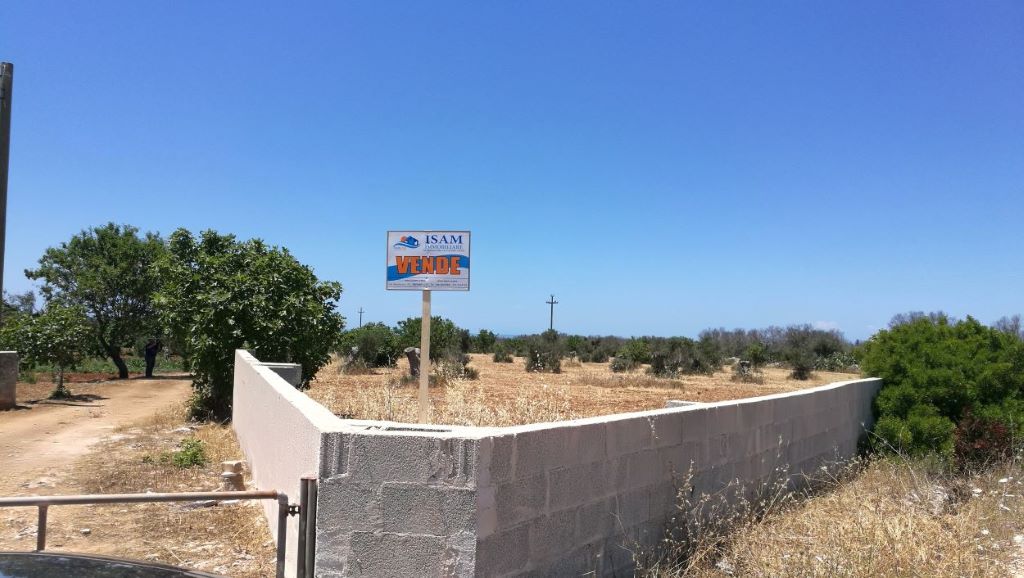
(428, 260)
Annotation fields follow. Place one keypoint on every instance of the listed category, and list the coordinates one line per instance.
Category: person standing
(153, 346)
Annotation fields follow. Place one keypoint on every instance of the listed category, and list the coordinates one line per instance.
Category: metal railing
(284, 509)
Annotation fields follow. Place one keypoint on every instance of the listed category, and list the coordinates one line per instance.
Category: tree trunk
(122, 368)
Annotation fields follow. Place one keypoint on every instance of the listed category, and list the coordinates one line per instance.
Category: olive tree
(221, 294)
(109, 273)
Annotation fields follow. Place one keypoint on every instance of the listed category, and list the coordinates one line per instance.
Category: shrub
(801, 362)
(191, 454)
(446, 338)
(980, 441)
(502, 354)
(544, 354)
(376, 343)
(637, 351)
(837, 361)
(757, 354)
(933, 371)
(681, 355)
(622, 364)
(745, 372)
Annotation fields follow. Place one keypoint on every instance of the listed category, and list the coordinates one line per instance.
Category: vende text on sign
(428, 260)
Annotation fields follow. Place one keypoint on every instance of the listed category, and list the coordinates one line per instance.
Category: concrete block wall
(578, 497)
(552, 499)
(398, 500)
(280, 431)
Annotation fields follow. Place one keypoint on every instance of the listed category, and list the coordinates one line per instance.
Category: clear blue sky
(661, 167)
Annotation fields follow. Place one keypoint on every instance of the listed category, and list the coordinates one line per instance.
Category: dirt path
(39, 443)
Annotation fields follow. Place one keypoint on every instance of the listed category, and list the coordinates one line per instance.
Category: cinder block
(463, 545)
(723, 419)
(629, 435)
(595, 521)
(544, 449)
(500, 465)
(632, 507)
(695, 424)
(410, 458)
(668, 429)
(617, 558)
(344, 506)
(584, 561)
(502, 553)
(664, 500)
(552, 535)
(591, 442)
(375, 554)
(575, 485)
(430, 510)
(521, 499)
(646, 468)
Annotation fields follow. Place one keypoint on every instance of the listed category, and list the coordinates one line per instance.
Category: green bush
(502, 354)
(622, 364)
(637, 351)
(377, 345)
(936, 372)
(682, 355)
(220, 294)
(192, 454)
(544, 354)
(485, 341)
(446, 338)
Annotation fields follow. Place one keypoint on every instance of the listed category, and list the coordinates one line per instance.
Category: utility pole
(551, 321)
(6, 87)
(360, 316)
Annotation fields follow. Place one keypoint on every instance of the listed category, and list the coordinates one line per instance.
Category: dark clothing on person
(152, 348)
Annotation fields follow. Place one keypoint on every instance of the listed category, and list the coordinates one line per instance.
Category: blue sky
(661, 167)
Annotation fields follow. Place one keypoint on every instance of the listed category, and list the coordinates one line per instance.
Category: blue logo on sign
(409, 242)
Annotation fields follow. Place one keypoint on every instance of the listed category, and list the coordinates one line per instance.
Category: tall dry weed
(886, 517)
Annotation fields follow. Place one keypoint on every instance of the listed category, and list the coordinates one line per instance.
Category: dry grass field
(505, 394)
(228, 539)
(886, 517)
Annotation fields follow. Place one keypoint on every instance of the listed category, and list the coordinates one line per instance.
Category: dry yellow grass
(505, 394)
(229, 539)
(892, 518)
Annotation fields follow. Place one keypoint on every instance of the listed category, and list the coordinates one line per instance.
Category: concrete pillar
(8, 378)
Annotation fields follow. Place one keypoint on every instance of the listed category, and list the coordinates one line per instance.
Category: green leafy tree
(446, 338)
(58, 336)
(109, 272)
(485, 341)
(935, 372)
(220, 294)
(377, 344)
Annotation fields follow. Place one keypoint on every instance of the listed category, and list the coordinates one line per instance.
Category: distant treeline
(801, 347)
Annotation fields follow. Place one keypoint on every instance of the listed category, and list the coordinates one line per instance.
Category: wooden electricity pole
(551, 321)
(6, 85)
(360, 316)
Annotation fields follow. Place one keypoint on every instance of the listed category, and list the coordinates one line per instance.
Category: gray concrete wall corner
(8, 379)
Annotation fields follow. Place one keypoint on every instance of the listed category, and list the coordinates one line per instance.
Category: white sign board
(428, 260)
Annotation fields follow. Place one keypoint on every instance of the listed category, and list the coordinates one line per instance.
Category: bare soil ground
(114, 438)
(505, 394)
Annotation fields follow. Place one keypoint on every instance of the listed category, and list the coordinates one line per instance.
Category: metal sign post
(427, 261)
